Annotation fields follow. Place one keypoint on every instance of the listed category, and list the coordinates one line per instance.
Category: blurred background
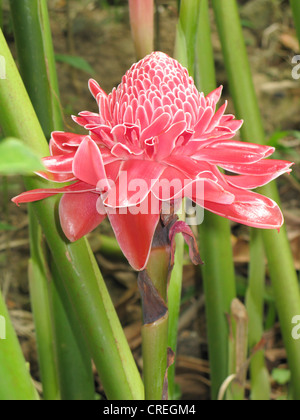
(92, 38)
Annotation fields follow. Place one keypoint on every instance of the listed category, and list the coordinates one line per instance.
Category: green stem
(72, 360)
(154, 339)
(260, 384)
(76, 263)
(238, 345)
(106, 245)
(33, 66)
(16, 383)
(281, 265)
(205, 75)
(1, 14)
(39, 295)
(153, 287)
(219, 289)
(74, 364)
(185, 53)
(295, 5)
(186, 33)
(57, 116)
(174, 299)
(215, 237)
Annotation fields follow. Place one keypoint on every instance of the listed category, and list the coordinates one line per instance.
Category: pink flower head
(155, 127)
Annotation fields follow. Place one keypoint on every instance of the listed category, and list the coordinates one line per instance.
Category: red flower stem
(142, 26)
(281, 265)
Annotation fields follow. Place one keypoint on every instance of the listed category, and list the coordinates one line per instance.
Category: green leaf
(16, 158)
(276, 137)
(5, 226)
(281, 376)
(75, 61)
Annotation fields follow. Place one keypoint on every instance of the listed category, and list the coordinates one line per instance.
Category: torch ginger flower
(155, 126)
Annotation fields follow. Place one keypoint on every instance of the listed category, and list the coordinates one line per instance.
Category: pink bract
(155, 126)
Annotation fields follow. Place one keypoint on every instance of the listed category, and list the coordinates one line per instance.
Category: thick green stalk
(295, 5)
(153, 287)
(39, 282)
(260, 384)
(281, 266)
(107, 245)
(154, 338)
(74, 364)
(15, 383)
(184, 53)
(219, 289)
(174, 300)
(57, 117)
(1, 14)
(78, 361)
(215, 241)
(186, 33)
(238, 346)
(33, 66)
(205, 73)
(76, 263)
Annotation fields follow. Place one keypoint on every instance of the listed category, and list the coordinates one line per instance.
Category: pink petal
(263, 167)
(134, 233)
(88, 164)
(156, 127)
(215, 95)
(170, 184)
(57, 177)
(79, 120)
(135, 180)
(233, 152)
(203, 122)
(59, 164)
(124, 151)
(95, 88)
(182, 227)
(90, 117)
(62, 142)
(205, 189)
(39, 194)
(250, 209)
(215, 121)
(78, 214)
(173, 184)
(187, 165)
(252, 181)
(167, 140)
